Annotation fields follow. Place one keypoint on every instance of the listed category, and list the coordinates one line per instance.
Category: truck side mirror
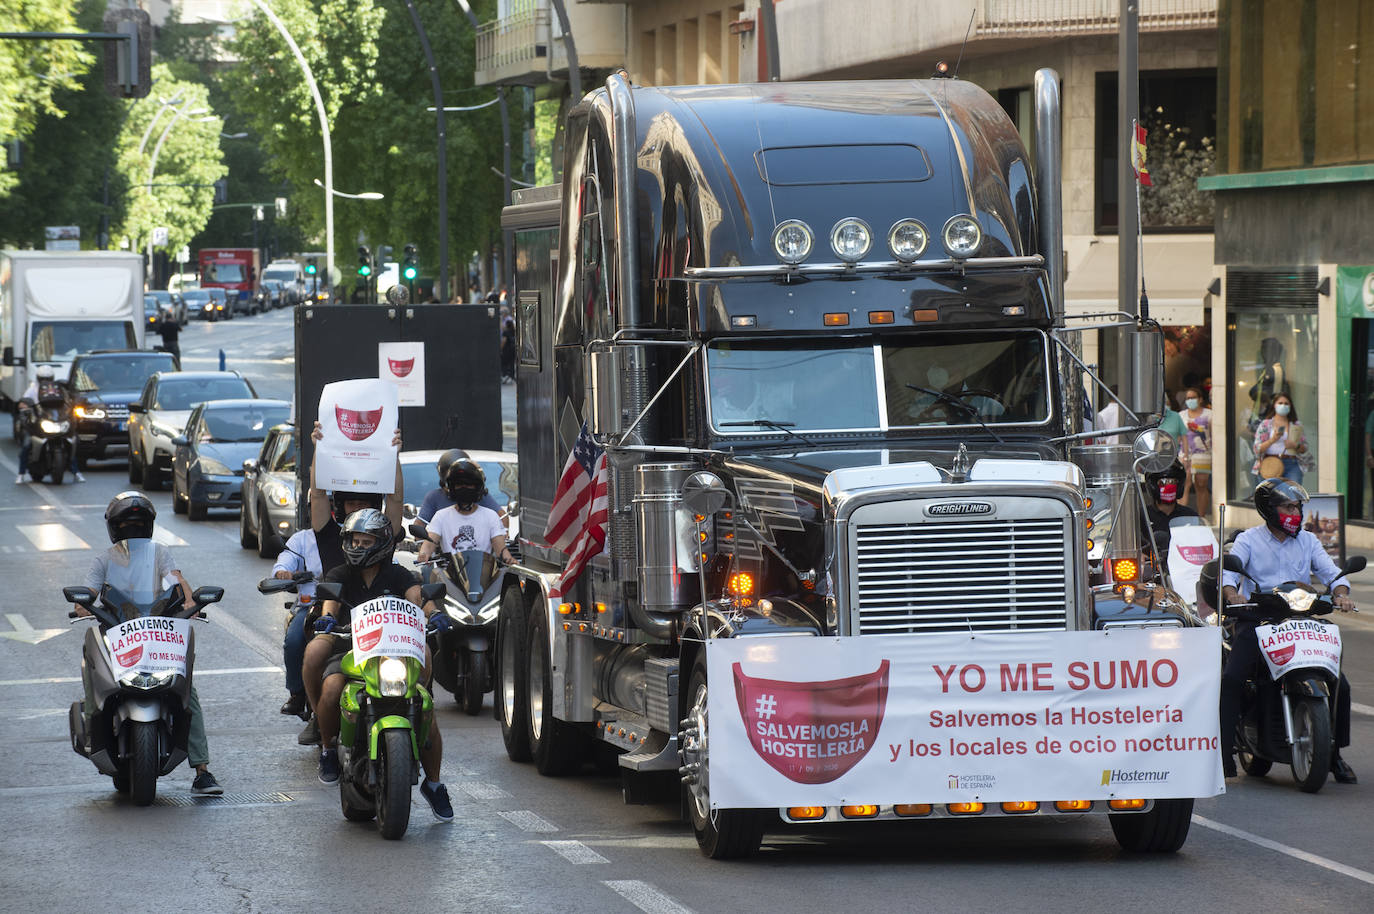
(9, 360)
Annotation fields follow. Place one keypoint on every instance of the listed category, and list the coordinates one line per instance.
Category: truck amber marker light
(1125, 569)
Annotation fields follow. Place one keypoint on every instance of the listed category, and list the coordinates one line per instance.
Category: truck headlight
(50, 427)
(391, 677)
(850, 239)
(962, 236)
(907, 240)
(792, 241)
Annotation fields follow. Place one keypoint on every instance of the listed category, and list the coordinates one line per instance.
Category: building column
(1329, 399)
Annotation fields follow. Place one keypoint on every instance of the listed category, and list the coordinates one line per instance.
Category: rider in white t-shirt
(465, 525)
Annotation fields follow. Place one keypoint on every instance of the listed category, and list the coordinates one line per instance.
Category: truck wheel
(512, 701)
(1162, 830)
(143, 761)
(1311, 743)
(394, 770)
(555, 745)
(726, 833)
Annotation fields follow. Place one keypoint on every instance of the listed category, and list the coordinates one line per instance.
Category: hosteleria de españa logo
(812, 732)
(357, 424)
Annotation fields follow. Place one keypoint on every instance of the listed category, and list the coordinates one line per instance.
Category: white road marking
(525, 820)
(575, 852)
(52, 537)
(1362, 709)
(481, 791)
(64, 679)
(36, 713)
(23, 631)
(645, 897)
(168, 538)
(1293, 852)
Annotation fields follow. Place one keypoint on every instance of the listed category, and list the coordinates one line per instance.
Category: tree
(32, 73)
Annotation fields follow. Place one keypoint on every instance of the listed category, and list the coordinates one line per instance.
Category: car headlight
(278, 494)
(137, 680)
(391, 677)
(50, 427)
(89, 412)
(165, 431)
(209, 306)
(213, 467)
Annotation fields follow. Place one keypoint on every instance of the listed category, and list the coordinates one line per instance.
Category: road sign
(160, 235)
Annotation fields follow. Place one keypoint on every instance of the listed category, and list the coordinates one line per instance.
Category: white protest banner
(888, 719)
(1190, 547)
(358, 419)
(404, 365)
(1297, 643)
(150, 644)
(388, 627)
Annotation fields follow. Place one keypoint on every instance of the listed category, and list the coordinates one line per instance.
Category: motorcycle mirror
(431, 592)
(1231, 563)
(81, 596)
(409, 511)
(1353, 564)
(208, 594)
(303, 577)
(329, 590)
(275, 585)
(418, 530)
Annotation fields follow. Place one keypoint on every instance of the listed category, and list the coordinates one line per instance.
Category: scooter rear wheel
(1311, 743)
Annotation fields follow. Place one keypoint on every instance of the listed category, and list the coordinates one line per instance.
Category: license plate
(121, 426)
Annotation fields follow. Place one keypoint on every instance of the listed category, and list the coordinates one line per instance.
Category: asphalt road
(276, 840)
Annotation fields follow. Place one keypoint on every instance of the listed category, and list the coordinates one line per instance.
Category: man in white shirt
(1273, 553)
(465, 525)
(301, 554)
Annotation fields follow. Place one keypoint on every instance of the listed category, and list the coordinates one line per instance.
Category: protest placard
(358, 419)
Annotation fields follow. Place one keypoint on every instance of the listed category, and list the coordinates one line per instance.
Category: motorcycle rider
(1273, 553)
(42, 390)
(1165, 493)
(466, 524)
(369, 542)
(301, 554)
(130, 515)
(437, 498)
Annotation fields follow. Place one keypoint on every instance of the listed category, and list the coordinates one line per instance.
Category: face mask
(1282, 409)
(1291, 523)
(1168, 492)
(1191, 402)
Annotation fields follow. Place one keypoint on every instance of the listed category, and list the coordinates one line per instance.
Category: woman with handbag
(1280, 444)
(1197, 448)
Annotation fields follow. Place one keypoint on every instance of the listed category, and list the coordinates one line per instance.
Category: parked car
(160, 414)
(101, 386)
(207, 469)
(268, 496)
(171, 302)
(201, 305)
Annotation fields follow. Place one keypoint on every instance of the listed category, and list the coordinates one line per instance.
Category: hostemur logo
(357, 424)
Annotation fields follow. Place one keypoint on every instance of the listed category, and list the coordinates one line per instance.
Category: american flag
(577, 523)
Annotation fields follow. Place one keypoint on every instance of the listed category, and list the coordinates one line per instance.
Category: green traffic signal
(410, 272)
(310, 268)
(364, 269)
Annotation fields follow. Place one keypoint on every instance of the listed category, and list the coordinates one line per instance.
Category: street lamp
(152, 166)
(365, 195)
(232, 136)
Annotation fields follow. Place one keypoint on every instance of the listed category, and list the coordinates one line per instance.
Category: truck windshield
(959, 379)
(223, 272)
(62, 341)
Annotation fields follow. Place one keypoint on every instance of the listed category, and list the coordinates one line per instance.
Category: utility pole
(1128, 234)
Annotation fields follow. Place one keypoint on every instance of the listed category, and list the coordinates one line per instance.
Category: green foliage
(34, 74)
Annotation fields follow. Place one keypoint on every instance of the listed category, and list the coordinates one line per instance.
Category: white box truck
(57, 304)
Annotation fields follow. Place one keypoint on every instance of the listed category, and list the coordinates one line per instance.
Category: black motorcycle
(462, 655)
(48, 429)
(136, 669)
(1290, 706)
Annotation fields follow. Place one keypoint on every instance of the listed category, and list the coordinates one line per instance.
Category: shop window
(1178, 109)
(1269, 351)
(1360, 483)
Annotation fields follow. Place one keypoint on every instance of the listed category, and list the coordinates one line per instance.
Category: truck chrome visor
(777, 386)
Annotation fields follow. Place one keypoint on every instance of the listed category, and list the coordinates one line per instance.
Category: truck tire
(556, 746)
(395, 768)
(1162, 830)
(143, 761)
(1311, 760)
(726, 834)
(511, 699)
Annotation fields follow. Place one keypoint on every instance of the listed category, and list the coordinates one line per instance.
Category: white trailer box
(55, 305)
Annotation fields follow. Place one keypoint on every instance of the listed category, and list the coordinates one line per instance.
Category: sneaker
(294, 704)
(77, 477)
(22, 479)
(205, 785)
(310, 736)
(437, 800)
(329, 766)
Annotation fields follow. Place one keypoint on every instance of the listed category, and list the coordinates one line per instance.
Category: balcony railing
(1024, 17)
(515, 42)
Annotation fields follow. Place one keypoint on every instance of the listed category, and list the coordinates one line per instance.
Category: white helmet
(45, 373)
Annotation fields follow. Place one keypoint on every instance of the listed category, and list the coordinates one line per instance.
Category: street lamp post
(152, 166)
(365, 195)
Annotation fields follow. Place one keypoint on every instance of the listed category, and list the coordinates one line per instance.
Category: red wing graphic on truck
(812, 732)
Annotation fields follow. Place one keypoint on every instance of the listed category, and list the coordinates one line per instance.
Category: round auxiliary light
(907, 240)
(792, 241)
(850, 239)
(962, 237)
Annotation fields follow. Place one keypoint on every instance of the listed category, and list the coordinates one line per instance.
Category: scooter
(49, 429)
(462, 655)
(137, 670)
(1290, 712)
(302, 601)
(384, 708)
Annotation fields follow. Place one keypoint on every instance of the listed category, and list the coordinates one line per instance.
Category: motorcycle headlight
(89, 412)
(50, 427)
(489, 612)
(137, 680)
(391, 677)
(213, 467)
(1299, 600)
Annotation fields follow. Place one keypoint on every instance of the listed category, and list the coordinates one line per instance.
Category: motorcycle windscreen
(132, 578)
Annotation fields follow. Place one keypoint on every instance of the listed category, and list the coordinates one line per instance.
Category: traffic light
(364, 261)
(311, 268)
(411, 268)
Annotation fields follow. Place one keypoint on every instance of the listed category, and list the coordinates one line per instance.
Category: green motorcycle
(384, 709)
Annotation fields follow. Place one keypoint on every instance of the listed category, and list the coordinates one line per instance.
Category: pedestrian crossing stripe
(58, 538)
(167, 537)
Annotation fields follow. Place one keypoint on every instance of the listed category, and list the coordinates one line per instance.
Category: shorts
(335, 662)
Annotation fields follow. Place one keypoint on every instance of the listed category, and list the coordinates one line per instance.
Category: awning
(1177, 271)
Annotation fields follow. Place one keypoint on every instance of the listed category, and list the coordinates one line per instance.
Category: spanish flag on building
(1142, 173)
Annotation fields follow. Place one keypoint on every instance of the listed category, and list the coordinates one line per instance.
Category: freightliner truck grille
(966, 575)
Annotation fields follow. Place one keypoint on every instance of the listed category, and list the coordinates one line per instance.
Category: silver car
(267, 517)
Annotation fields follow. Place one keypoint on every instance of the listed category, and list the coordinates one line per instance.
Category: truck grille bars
(965, 576)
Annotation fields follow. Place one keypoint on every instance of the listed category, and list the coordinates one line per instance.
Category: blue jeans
(293, 650)
(1292, 471)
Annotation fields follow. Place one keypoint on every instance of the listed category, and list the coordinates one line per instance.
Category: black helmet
(1273, 492)
(1173, 471)
(446, 460)
(130, 516)
(337, 501)
(465, 483)
(374, 522)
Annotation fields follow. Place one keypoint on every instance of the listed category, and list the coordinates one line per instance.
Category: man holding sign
(368, 572)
